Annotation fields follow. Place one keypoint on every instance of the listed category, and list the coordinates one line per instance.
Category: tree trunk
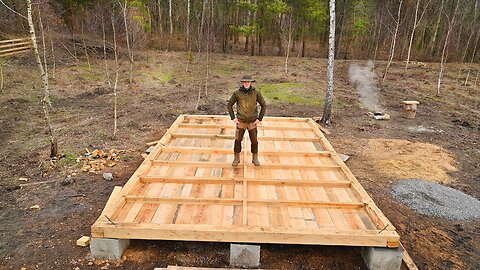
(327, 109)
(437, 25)
(115, 84)
(53, 52)
(46, 98)
(471, 32)
(85, 49)
(394, 40)
(288, 43)
(189, 47)
(1, 75)
(130, 53)
(171, 24)
(160, 27)
(107, 76)
(200, 30)
(377, 41)
(445, 47)
(413, 33)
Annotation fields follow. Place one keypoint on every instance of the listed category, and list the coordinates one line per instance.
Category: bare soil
(382, 152)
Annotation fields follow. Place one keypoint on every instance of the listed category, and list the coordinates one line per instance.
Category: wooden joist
(250, 181)
(231, 137)
(226, 201)
(181, 149)
(205, 164)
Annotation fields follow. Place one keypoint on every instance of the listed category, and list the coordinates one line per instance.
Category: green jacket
(246, 100)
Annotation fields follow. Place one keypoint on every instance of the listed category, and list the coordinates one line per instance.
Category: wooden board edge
(111, 201)
(115, 206)
(247, 235)
(407, 260)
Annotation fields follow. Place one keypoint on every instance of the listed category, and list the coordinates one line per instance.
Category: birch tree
(46, 98)
(3, 63)
(115, 84)
(130, 53)
(171, 24)
(189, 47)
(451, 23)
(416, 22)
(327, 109)
(394, 40)
(107, 75)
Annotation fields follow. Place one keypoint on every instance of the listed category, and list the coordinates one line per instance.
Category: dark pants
(252, 133)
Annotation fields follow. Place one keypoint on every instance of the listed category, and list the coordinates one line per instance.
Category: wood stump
(410, 109)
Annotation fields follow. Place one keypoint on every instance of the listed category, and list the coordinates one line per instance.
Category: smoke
(363, 78)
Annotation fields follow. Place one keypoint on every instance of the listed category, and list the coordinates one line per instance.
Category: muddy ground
(382, 152)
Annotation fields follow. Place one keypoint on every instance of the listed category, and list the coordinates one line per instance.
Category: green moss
(288, 93)
(70, 159)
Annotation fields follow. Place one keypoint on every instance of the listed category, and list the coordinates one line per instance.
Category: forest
(419, 30)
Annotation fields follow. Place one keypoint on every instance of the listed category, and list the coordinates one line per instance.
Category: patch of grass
(288, 93)
(156, 75)
(92, 76)
(228, 68)
(70, 159)
(32, 98)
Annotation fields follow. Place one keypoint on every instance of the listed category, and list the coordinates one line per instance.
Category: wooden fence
(15, 46)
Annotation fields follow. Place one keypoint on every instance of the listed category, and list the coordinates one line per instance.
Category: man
(247, 117)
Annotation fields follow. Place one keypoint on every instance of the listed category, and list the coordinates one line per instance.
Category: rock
(108, 176)
(67, 181)
(36, 206)
(11, 187)
(343, 157)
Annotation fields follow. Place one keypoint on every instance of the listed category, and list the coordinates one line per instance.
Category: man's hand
(235, 121)
(257, 122)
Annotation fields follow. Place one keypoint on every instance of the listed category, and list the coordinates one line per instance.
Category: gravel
(433, 199)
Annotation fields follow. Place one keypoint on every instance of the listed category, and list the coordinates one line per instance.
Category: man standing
(247, 117)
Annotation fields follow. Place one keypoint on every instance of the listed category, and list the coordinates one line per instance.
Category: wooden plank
(408, 260)
(180, 149)
(14, 45)
(228, 165)
(211, 233)
(23, 48)
(226, 201)
(231, 137)
(251, 181)
(232, 126)
(14, 40)
(14, 53)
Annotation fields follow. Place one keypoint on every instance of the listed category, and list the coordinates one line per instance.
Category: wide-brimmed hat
(247, 78)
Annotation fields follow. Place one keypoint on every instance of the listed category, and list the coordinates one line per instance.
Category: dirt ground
(441, 145)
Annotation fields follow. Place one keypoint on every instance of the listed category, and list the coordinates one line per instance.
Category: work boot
(236, 159)
(255, 159)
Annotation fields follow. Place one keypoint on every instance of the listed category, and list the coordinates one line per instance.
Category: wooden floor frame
(111, 223)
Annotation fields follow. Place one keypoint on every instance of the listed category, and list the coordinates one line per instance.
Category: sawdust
(403, 159)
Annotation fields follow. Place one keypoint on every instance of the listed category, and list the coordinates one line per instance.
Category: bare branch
(1, 1)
